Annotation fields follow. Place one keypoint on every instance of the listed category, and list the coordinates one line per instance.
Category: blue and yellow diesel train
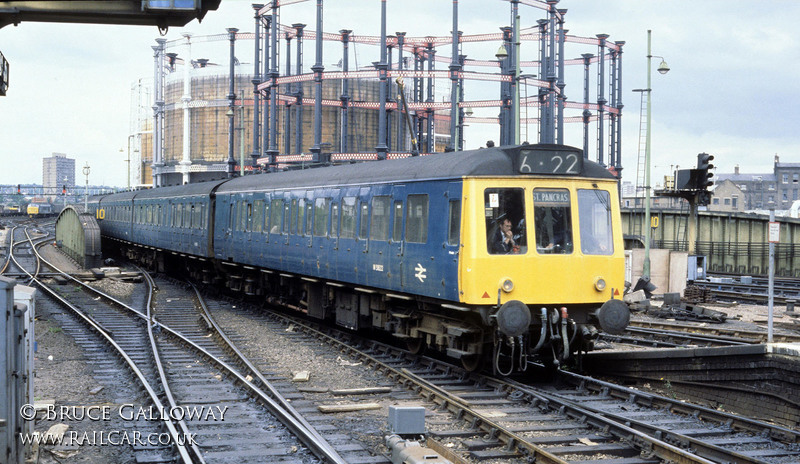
(504, 254)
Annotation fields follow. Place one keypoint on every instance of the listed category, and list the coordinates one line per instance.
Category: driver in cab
(503, 241)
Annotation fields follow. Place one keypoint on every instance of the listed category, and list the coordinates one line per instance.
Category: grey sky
(732, 89)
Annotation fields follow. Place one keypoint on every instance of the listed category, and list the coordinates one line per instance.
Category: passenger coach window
(187, 219)
(397, 227)
(348, 229)
(287, 209)
(258, 216)
(379, 230)
(363, 225)
(249, 219)
(552, 220)
(293, 216)
(309, 217)
(301, 218)
(417, 220)
(454, 224)
(504, 212)
(276, 216)
(321, 207)
(594, 216)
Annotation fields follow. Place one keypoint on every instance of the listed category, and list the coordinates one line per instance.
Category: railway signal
(703, 166)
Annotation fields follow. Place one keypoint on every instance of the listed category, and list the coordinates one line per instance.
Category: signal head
(704, 161)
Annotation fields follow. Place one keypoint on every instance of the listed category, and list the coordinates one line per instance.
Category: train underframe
(508, 336)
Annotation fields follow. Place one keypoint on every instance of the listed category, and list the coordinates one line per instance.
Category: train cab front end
(543, 257)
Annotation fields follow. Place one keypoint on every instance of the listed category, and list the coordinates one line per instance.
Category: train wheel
(415, 345)
(472, 362)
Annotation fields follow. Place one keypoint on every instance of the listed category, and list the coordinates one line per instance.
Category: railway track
(140, 340)
(732, 289)
(485, 418)
(127, 339)
(714, 333)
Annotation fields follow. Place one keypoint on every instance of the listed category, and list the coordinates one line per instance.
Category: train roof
(196, 189)
(489, 162)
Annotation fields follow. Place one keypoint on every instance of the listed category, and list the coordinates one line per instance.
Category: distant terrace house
(782, 186)
(727, 196)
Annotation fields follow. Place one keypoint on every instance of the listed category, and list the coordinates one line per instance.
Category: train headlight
(507, 285)
(600, 284)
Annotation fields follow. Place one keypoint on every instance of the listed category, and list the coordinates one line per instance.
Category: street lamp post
(86, 171)
(663, 69)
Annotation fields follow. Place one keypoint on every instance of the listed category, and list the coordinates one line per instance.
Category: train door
(362, 235)
(348, 236)
(256, 229)
(294, 252)
(247, 230)
(424, 266)
(381, 253)
(397, 263)
(307, 242)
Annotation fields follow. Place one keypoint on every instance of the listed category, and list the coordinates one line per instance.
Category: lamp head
(663, 68)
(501, 53)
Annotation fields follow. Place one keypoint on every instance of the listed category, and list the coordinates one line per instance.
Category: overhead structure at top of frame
(161, 13)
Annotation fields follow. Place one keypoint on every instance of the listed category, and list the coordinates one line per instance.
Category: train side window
(454, 223)
(348, 229)
(239, 225)
(293, 217)
(187, 216)
(321, 207)
(301, 216)
(287, 208)
(363, 225)
(266, 215)
(192, 217)
(552, 220)
(309, 217)
(594, 220)
(504, 213)
(258, 216)
(276, 216)
(248, 226)
(417, 219)
(335, 220)
(379, 220)
(397, 225)
(180, 215)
